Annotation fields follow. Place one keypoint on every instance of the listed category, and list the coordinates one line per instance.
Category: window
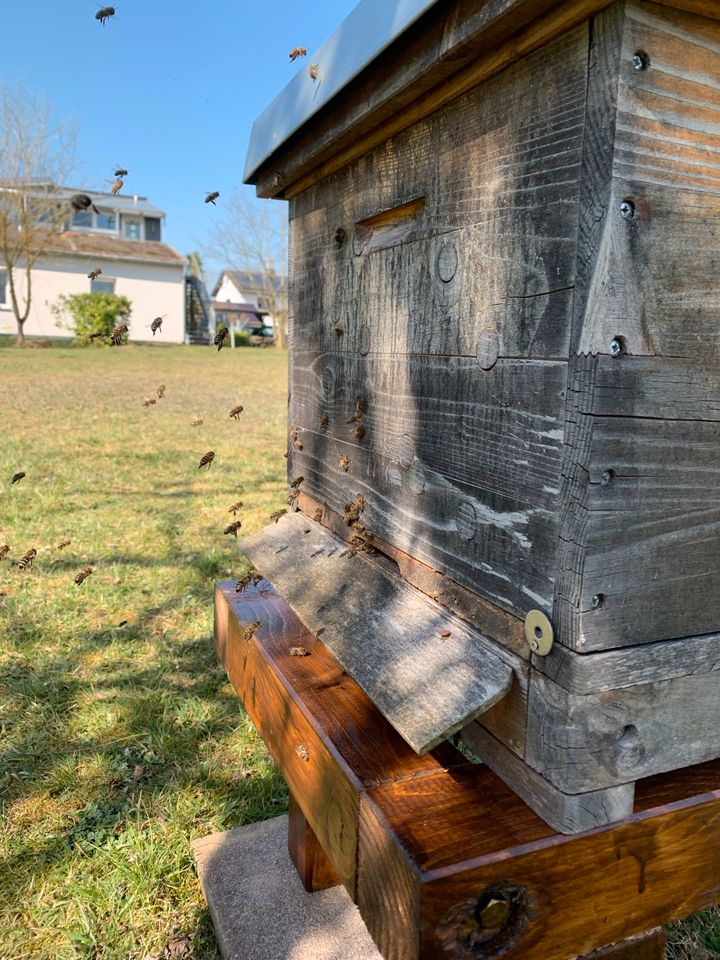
(82, 218)
(152, 228)
(3, 286)
(105, 221)
(131, 229)
(102, 286)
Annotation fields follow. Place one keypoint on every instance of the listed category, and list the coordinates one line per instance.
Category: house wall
(228, 291)
(153, 289)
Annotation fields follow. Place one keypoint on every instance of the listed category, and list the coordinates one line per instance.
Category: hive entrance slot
(388, 227)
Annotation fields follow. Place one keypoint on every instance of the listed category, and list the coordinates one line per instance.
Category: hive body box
(505, 334)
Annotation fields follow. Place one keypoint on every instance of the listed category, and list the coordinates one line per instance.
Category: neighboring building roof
(227, 306)
(253, 280)
(361, 37)
(76, 242)
(125, 203)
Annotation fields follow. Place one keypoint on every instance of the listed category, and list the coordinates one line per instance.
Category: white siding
(228, 291)
(153, 289)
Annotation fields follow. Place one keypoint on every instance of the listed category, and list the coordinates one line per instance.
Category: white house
(124, 240)
(267, 292)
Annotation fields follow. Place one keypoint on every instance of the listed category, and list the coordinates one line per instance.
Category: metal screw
(616, 347)
(640, 60)
(627, 209)
(534, 645)
(607, 478)
(597, 600)
(494, 913)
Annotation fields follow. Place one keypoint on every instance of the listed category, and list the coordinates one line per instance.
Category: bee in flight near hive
(212, 197)
(197, 422)
(83, 575)
(277, 514)
(235, 507)
(63, 543)
(344, 462)
(161, 391)
(252, 577)
(236, 411)
(317, 516)
(117, 187)
(104, 14)
(81, 201)
(313, 71)
(233, 528)
(26, 561)
(4, 550)
(324, 422)
(157, 324)
(18, 476)
(292, 498)
(297, 52)
(94, 274)
(149, 401)
(220, 337)
(295, 484)
(359, 432)
(251, 628)
(118, 332)
(338, 330)
(120, 172)
(207, 460)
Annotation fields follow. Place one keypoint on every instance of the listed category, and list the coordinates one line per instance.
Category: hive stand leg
(311, 863)
(646, 946)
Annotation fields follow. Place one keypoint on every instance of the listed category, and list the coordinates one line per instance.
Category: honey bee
(324, 422)
(250, 629)
(117, 187)
(63, 543)
(317, 516)
(359, 432)
(83, 575)
(233, 528)
(4, 550)
(297, 52)
(157, 324)
(299, 652)
(338, 330)
(236, 411)
(313, 71)
(18, 476)
(207, 459)
(81, 201)
(252, 577)
(197, 422)
(295, 484)
(120, 172)
(104, 13)
(94, 274)
(26, 560)
(299, 444)
(360, 410)
(220, 337)
(292, 498)
(212, 197)
(149, 401)
(96, 335)
(277, 514)
(235, 507)
(116, 337)
(353, 510)
(302, 751)
(344, 463)
(161, 391)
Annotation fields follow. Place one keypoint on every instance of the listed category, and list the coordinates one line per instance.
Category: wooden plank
(600, 740)
(645, 946)
(457, 466)
(425, 670)
(324, 733)
(313, 867)
(656, 866)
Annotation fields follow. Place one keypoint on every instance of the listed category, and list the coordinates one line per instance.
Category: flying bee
(299, 444)
(277, 514)
(207, 460)
(63, 543)
(104, 14)
(83, 575)
(324, 422)
(4, 550)
(117, 187)
(81, 201)
(317, 516)
(233, 528)
(157, 324)
(18, 476)
(313, 71)
(250, 629)
(116, 337)
(252, 577)
(235, 507)
(220, 337)
(295, 484)
(344, 463)
(302, 751)
(359, 432)
(292, 498)
(120, 172)
(297, 52)
(236, 411)
(353, 510)
(26, 560)
(94, 274)
(299, 652)
(161, 391)
(212, 197)
(96, 335)
(338, 330)
(197, 422)
(149, 402)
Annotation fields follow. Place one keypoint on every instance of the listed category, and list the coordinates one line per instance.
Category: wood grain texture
(313, 867)
(425, 670)
(599, 740)
(645, 946)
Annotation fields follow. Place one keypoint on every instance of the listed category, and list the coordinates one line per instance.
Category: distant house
(124, 240)
(267, 292)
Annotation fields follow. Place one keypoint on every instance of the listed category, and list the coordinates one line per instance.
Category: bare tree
(36, 154)
(252, 235)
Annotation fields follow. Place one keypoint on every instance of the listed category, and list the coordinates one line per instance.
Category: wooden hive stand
(441, 857)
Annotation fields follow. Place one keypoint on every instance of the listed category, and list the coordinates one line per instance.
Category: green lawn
(119, 745)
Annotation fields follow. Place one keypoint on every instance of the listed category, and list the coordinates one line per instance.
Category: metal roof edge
(367, 30)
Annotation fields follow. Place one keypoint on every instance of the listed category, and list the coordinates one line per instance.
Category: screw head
(534, 645)
(340, 236)
(640, 60)
(607, 478)
(597, 601)
(627, 209)
(494, 913)
(616, 347)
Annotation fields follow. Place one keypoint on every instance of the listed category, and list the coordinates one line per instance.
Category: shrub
(242, 338)
(91, 313)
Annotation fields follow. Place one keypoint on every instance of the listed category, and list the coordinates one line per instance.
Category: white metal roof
(361, 37)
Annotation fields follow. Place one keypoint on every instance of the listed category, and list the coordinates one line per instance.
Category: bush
(242, 338)
(91, 313)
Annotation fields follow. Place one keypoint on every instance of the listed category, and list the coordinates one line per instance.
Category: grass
(119, 745)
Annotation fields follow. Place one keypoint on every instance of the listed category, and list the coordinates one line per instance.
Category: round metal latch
(539, 632)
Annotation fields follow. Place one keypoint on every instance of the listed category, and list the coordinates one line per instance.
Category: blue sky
(167, 89)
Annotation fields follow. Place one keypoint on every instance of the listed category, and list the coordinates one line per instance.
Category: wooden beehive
(504, 340)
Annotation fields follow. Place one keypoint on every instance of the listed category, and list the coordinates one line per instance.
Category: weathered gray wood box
(505, 335)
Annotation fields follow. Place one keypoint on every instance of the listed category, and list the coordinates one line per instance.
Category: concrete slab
(259, 908)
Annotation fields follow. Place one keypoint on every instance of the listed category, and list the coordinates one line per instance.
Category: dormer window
(132, 228)
(87, 220)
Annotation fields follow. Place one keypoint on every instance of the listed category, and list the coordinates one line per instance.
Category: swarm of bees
(207, 459)
(233, 528)
(236, 411)
(104, 14)
(220, 337)
(212, 197)
(94, 274)
(297, 52)
(83, 575)
(157, 324)
(18, 476)
(118, 334)
(26, 560)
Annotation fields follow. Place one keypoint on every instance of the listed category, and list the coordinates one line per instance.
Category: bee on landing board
(313, 71)
(235, 507)
(292, 498)
(233, 528)
(212, 197)
(324, 422)
(220, 337)
(26, 561)
(251, 628)
(344, 463)
(299, 652)
(207, 459)
(317, 516)
(104, 14)
(253, 577)
(277, 514)
(236, 411)
(297, 52)
(117, 187)
(83, 575)
(118, 333)
(94, 274)
(157, 324)
(18, 476)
